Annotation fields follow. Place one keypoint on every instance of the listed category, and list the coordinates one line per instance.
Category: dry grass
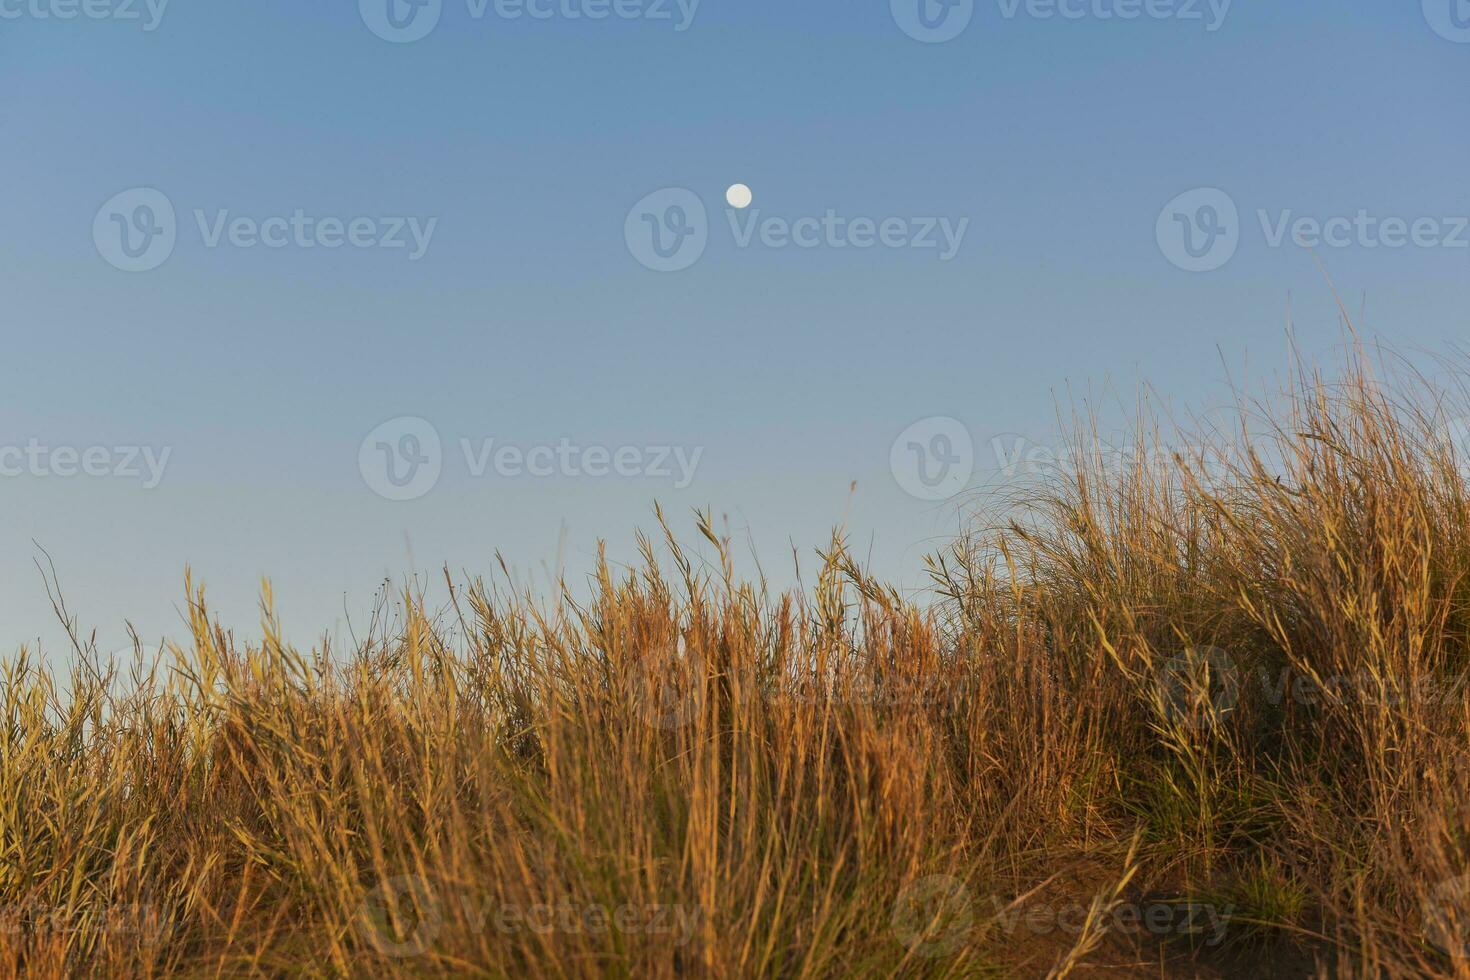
(1180, 720)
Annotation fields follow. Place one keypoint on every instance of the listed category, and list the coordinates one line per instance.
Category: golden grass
(1178, 720)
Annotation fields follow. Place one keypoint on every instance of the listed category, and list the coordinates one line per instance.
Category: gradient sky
(527, 320)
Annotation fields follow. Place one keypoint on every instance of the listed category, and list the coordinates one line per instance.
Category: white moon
(739, 196)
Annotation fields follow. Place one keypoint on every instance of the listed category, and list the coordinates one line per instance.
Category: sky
(337, 294)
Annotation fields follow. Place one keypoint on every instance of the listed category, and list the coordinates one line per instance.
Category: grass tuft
(1231, 683)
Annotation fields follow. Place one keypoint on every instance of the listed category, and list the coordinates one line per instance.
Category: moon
(739, 196)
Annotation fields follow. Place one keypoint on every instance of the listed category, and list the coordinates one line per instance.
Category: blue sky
(527, 145)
